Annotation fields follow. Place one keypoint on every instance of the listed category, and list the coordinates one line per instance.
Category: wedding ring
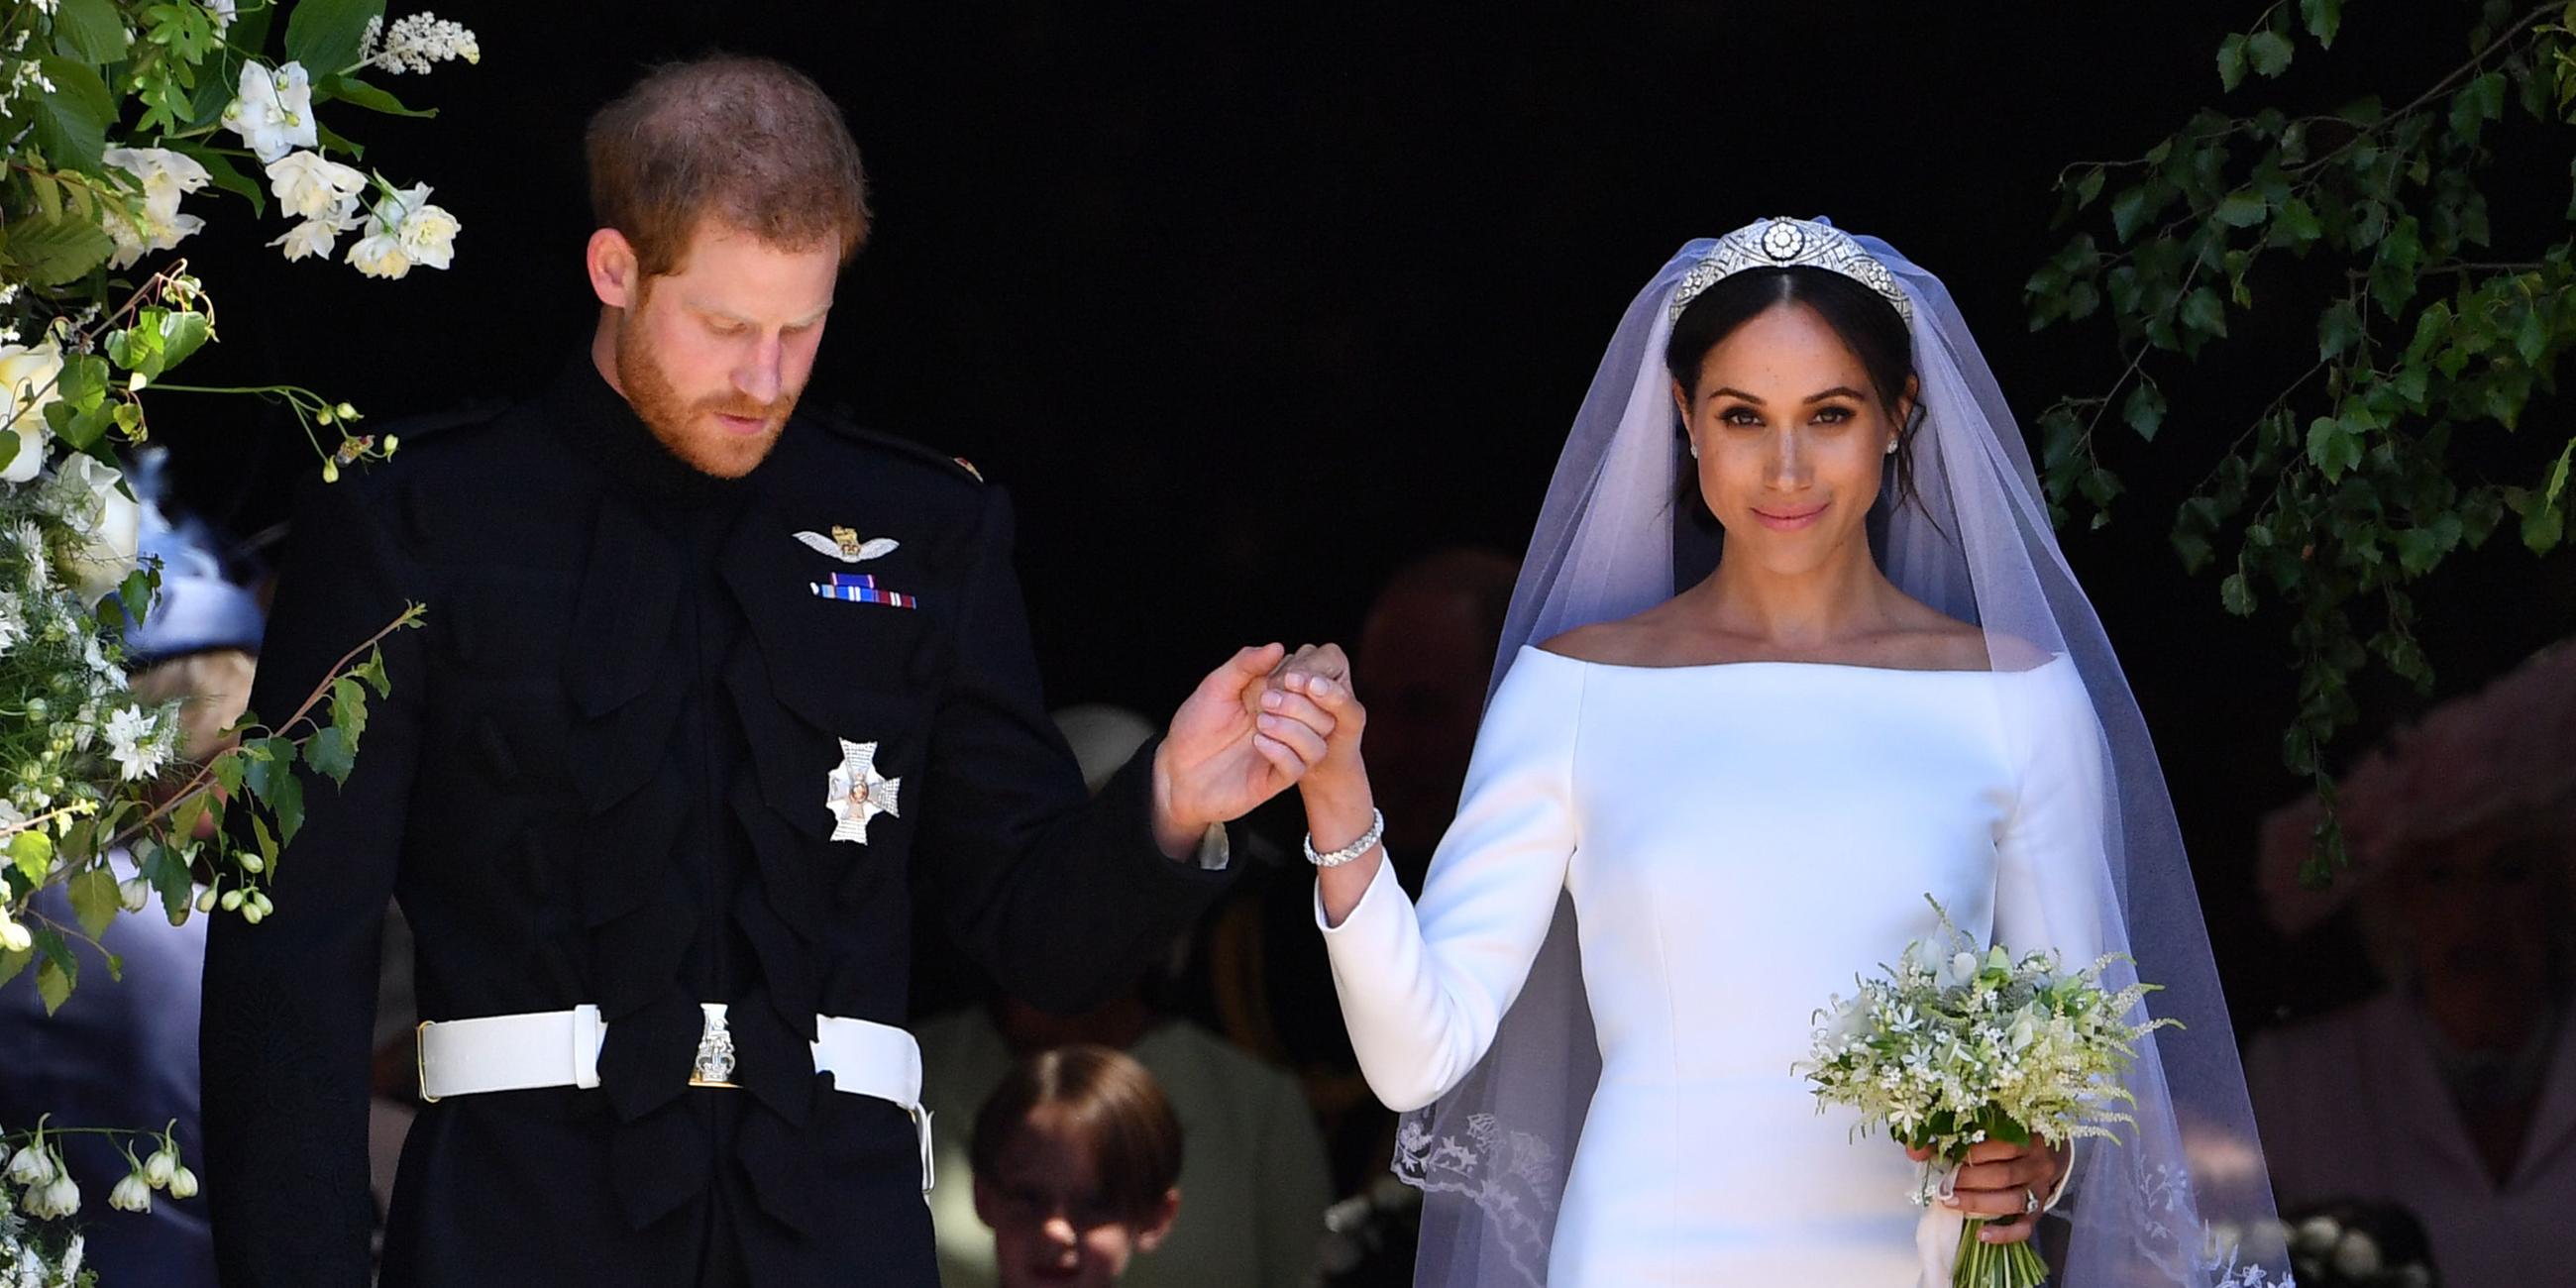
(2030, 1201)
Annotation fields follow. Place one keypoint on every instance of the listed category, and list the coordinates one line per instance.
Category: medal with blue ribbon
(860, 588)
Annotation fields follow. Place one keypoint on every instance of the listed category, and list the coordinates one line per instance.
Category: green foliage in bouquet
(2390, 448)
(116, 114)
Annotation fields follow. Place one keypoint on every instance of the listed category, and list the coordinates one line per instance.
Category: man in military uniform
(707, 694)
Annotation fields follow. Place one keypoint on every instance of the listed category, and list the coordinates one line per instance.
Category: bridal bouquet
(1955, 1047)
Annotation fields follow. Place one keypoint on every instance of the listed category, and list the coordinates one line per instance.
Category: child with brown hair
(1077, 1156)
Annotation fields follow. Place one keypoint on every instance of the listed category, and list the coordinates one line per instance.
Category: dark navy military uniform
(601, 777)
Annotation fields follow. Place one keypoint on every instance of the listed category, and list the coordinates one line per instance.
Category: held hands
(1225, 754)
(1309, 700)
(2000, 1181)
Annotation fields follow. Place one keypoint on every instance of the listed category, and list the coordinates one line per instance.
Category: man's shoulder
(907, 459)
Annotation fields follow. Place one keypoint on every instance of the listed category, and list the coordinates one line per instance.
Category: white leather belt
(561, 1049)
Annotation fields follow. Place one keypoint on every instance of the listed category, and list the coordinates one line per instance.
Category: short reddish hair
(750, 143)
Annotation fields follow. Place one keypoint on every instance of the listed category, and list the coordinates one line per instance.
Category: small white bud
(252, 914)
(34, 1165)
(14, 937)
(131, 1194)
(183, 1184)
(232, 900)
(135, 893)
(158, 1169)
(252, 862)
(206, 900)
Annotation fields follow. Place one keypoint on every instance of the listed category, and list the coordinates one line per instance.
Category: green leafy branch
(2359, 476)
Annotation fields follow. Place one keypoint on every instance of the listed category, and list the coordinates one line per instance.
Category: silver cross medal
(859, 793)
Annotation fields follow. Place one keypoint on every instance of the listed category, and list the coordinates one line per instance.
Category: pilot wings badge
(858, 793)
(844, 544)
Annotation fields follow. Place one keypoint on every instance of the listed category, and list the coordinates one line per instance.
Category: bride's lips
(1789, 520)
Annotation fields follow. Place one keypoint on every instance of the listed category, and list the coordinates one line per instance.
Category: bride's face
(1791, 440)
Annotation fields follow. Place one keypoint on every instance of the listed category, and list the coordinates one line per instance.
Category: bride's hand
(2001, 1180)
(1312, 690)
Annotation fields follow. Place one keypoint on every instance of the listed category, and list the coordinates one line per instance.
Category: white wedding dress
(1740, 841)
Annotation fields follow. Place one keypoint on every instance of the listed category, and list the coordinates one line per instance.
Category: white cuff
(1215, 851)
(1370, 900)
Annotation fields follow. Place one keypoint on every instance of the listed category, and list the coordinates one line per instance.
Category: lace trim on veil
(1512, 1176)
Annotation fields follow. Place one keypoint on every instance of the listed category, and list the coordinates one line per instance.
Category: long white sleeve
(2050, 876)
(1423, 990)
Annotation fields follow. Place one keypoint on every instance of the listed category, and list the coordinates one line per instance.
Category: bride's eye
(1834, 415)
(1745, 417)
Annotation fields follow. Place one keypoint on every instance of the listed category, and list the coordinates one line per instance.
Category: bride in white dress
(1736, 798)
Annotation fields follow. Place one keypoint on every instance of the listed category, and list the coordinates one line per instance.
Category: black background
(1248, 304)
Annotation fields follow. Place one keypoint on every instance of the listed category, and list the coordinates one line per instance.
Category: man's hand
(2003, 1180)
(1224, 754)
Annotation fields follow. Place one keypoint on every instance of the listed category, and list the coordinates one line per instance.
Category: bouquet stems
(1995, 1265)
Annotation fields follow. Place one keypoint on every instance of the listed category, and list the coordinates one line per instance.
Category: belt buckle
(714, 1064)
(420, 1061)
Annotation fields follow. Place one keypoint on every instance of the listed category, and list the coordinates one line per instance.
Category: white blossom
(17, 939)
(107, 524)
(223, 12)
(56, 1199)
(131, 1194)
(31, 379)
(272, 110)
(417, 42)
(309, 186)
(405, 230)
(135, 743)
(34, 1163)
(183, 1184)
(165, 176)
(311, 237)
(161, 1166)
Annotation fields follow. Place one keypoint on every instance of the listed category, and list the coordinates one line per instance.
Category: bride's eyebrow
(1838, 391)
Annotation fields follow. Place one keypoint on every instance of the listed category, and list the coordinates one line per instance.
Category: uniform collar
(605, 430)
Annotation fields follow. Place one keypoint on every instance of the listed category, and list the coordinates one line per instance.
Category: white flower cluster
(22, 1265)
(21, 75)
(1954, 1047)
(405, 230)
(47, 1192)
(164, 177)
(68, 540)
(417, 42)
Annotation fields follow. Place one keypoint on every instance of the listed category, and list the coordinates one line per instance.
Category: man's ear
(986, 1201)
(615, 274)
(1150, 1234)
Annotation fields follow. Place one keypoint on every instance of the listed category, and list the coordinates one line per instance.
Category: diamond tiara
(1790, 243)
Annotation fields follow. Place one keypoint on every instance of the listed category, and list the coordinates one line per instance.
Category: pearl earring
(1891, 447)
(1694, 446)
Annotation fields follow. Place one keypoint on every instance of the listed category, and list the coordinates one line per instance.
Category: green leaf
(56, 954)
(168, 874)
(350, 89)
(2145, 410)
(31, 851)
(2268, 53)
(267, 841)
(2542, 528)
(2338, 329)
(2088, 187)
(90, 31)
(2478, 102)
(349, 708)
(182, 334)
(93, 895)
(228, 771)
(326, 35)
(2241, 210)
(2324, 18)
(2231, 62)
(2130, 209)
(2299, 224)
(2531, 338)
(56, 249)
(286, 797)
(329, 753)
(2236, 595)
(2557, 485)
(71, 123)
(2333, 447)
(12, 963)
(2202, 311)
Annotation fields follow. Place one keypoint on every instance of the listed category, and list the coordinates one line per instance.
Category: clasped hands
(2000, 1183)
(1243, 737)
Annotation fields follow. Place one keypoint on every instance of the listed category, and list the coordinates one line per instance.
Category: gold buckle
(420, 1061)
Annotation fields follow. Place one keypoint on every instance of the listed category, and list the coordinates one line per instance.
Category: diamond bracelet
(1368, 840)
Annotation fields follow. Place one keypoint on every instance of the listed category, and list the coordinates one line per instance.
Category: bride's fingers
(2013, 1233)
(1300, 709)
(1305, 742)
(2008, 1175)
(1280, 756)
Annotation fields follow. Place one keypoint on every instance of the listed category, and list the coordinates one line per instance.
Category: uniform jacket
(601, 777)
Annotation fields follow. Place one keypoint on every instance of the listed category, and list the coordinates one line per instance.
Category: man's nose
(760, 377)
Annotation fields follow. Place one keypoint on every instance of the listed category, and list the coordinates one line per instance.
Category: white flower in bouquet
(309, 186)
(404, 230)
(272, 110)
(311, 237)
(223, 12)
(417, 42)
(131, 1194)
(137, 743)
(107, 526)
(31, 379)
(165, 177)
(33, 1166)
(1953, 1047)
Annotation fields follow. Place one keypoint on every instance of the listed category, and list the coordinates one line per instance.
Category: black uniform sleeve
(290, 1002)
(1065, 901)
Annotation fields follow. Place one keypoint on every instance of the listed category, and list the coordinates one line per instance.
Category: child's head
(1077, 1159)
